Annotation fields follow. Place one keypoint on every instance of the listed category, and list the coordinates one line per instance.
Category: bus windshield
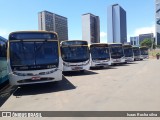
(144, 51)
(116, 52)
(128, 52)
(75, 53)
(100, 53)
(34, 55)
(136, 52)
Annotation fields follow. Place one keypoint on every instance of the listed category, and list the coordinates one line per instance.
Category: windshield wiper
(37, 50)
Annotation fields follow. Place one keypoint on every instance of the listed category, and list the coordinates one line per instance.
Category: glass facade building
(134, 41)
(116, 24)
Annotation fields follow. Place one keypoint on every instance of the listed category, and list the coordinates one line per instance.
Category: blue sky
(23, 15)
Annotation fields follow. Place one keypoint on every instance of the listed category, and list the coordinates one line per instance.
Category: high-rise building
(116, 24)
(157, 36)
(134, 40)
(90, 28)
(52, 22)
(145, 36)
(2, 38)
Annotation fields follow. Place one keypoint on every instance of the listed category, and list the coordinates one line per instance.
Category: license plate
(76, 68)
(117, 60)
(36, 78)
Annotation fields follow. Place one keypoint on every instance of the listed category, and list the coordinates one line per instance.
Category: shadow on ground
(5, 94)
(79, 73)
(36, 89)
(102, 68)
(120, 64)
(130, 63)
(44, 88)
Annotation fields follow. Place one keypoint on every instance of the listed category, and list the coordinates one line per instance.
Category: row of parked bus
(78, 55)
(38, 57)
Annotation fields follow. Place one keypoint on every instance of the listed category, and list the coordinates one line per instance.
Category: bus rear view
(75, 55)
(34, 57)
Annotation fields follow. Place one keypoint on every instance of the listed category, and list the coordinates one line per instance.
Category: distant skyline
(23, 15)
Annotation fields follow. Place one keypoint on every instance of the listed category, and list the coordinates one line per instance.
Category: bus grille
(40, 80)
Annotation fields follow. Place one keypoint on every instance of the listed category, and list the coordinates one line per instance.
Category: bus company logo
(6, 114)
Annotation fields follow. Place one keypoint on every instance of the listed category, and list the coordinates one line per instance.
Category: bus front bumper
(24, 80)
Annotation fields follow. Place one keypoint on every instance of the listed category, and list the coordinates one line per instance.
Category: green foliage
(148, 43)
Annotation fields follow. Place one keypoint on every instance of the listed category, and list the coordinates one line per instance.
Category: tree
(148, 43)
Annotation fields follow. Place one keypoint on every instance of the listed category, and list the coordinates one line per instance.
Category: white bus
(128, 52)
(75, 55)
(34, 57)
(117, 53)
(3, 61)
(144, 52)
(100, 55)
(137, 53)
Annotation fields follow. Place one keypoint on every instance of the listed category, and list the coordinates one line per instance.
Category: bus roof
(99, 44)
(76, 42)
(32, 31)
(39, 34)
(134, 47)
(114, 43)
(144, 47)
(73, 40)
(127, 45)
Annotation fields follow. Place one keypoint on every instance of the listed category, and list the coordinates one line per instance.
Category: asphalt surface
(127, 87)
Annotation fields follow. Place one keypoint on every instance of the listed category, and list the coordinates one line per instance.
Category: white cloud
(142, 30)
(103, 34)
(145, 30)
(103, 37)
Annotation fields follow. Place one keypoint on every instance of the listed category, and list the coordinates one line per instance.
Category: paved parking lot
(128, 87)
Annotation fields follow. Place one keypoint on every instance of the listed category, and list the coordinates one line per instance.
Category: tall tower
(52, 22)
(116, 24)
(157, 36)
(90, 28)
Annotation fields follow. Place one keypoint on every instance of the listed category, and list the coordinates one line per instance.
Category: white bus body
(144, 52)
(34, 57)
(137, 54)
(128, 52)
(75, 55)
(100, 55)
(117, 53)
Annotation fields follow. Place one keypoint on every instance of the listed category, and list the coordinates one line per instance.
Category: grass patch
(152, 53)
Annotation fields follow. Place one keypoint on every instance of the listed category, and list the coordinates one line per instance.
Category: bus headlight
(31, 74)
(123, 57)
(19, 74)
(65, 64)
(48, 72)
